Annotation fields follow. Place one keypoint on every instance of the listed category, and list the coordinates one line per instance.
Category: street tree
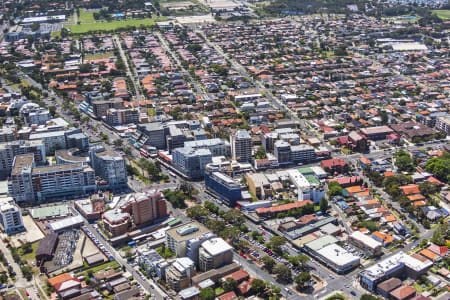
(269, 263)
(258, 287)
(302, 279)
(229, 285)
(283, 272)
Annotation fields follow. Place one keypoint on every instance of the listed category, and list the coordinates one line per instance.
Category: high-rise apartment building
(241, 146)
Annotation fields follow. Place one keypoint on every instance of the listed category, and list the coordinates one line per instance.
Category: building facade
(241, 146)
(109, 165)
(226, 187)
(9, 150)
(10, 216)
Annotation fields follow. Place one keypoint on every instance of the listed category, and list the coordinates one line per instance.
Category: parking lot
(97, 242)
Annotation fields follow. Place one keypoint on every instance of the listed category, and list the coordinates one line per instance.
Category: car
(353, 293)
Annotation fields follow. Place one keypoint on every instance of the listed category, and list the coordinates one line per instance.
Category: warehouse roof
(47, 245)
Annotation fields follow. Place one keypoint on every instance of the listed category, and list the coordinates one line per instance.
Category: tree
(207, 294)
(427, 188)
(234, 216)
(261, 153)
(283, 272)
(52, 110)
(269, 263)
(197, 212)
(211, 207)
(215, 226)
(258, 287)
(118, 142)
(368, 297)
(299, 260)
(27, 248)
(229, 284)
(404, 162)
(323, 205)
(334, 189)
(302, 279)
(276, 242)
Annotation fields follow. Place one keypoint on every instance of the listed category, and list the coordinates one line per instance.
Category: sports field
(88, 23)
(443, 13)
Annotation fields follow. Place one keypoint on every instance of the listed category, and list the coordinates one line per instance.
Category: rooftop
(216, 246)
(187, 231)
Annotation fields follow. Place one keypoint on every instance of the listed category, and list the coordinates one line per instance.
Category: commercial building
(214, 253)
(241, 146)
(399, 265)
(152, 134)
(258, 185)
(365, 243)
(30, 183)
(10, 216)
(303, 153)
(116, 116)
(178, 275)
(146, 207)
(11, 149)
(109, 165)
(46, 248)
(177, 137)
(53, 140)
(66, 223)
(376, 133)
(178, 237)
(100, 108)
(191, 162)
(116, 222)
(387, 286)
(228, 189)
(218, 147)
(274, 210)
(330, 254)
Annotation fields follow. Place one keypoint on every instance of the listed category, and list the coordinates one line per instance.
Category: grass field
(114, 25)
(86, 17)
(98, 56)
(443, 13)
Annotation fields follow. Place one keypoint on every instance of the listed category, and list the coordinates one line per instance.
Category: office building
(241, 146)
(218, 147)
(116, 116)
(178, 237)
(303, 153)
(177, 137)
(365, 243)
(100, 108)
(116, 222)
(228, 189)
(53, 140)
(399, 265)
(178, 275)
(191, 162)
(146, 207)
(153, 134)
(11, 149)
(325, 250)
(30, 183)
(10, 216)
(282, 151)
(214, 253)
(108, 165)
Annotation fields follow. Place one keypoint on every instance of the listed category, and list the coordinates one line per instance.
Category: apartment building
(241, 146)
(30, 183)
(178, 275)
(178, 237)
(214, 254)
(10, 216)
(9, 150)
(122, 116)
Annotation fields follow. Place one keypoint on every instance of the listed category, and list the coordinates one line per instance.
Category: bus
(144, 153)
